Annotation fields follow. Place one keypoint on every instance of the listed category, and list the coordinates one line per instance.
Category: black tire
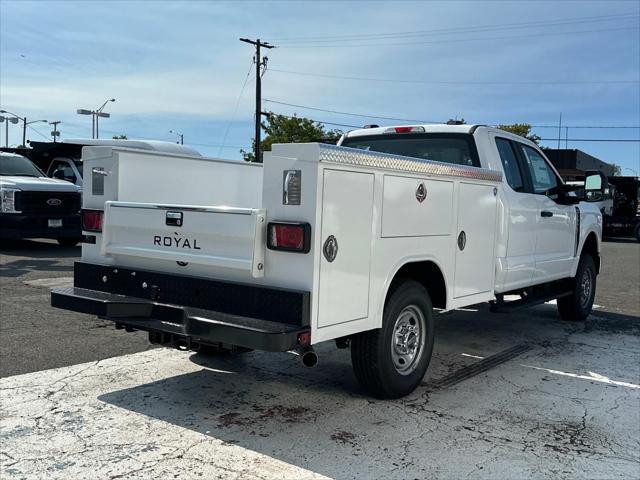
(577, 306)
(636, 231)
(68, 242)
(374, 354)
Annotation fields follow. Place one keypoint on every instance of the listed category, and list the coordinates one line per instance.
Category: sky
(180, 66)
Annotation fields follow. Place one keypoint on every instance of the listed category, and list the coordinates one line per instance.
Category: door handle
(546, 213)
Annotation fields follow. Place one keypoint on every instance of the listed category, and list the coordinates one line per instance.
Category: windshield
(448, 148)
(18, 166)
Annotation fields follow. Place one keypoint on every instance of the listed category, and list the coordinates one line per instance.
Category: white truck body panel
(368, 201)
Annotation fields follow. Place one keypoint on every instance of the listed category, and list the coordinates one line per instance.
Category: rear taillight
(289, 236)
(405, 130)
(92, 220)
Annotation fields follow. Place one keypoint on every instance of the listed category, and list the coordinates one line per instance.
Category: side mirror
(595, 184)
(59, 174)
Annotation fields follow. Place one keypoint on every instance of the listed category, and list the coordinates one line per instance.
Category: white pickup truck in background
(356, 243)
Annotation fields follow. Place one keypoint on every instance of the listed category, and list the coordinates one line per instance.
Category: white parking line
(595, 377)
(57, 282)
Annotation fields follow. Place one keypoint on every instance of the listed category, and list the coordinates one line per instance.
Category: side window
(64, 170)
(510, 164)
(543, 177)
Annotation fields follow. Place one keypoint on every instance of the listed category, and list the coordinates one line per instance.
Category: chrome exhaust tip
(308, 356)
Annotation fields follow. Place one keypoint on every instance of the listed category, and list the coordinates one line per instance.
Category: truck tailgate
(224, 237)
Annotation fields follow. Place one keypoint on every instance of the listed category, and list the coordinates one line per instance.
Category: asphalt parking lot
(506, 396)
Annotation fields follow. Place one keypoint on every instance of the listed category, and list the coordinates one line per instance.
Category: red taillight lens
(304, 338)
(92, 220)
(407, 129)
(289, 236)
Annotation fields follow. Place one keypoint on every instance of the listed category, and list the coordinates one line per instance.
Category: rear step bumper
(198, 325)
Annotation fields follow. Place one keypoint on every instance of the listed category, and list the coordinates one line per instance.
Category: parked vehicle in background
(624, 219)
(63, 160)
(358, 245)
(35, 206)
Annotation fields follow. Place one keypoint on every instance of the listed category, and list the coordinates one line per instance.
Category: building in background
(572, 163)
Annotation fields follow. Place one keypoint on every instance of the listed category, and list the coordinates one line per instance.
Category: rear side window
(451, 148)
(510, 164)
(542, 176)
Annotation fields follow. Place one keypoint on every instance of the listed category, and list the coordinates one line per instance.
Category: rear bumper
(232, 324)
(35, 225)
(197, 325)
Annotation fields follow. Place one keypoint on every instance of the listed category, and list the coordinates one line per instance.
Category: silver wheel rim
(407, 341)
(586, 285)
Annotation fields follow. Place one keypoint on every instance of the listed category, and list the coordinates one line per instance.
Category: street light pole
(24, 125)
(13, 119)
(95, 115)
(99, 114)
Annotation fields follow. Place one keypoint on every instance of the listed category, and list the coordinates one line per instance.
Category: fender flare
(395, 268)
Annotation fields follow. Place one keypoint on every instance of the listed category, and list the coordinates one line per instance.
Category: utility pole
(55, 134)
(260, 64)
(559, 130)
(179, 135)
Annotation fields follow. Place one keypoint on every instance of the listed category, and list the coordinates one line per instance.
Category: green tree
(455, 121)
(522, 129)
(285, 129)
(120, 137)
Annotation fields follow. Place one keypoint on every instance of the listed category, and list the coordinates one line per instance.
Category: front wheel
(578, 305)
(391, 361)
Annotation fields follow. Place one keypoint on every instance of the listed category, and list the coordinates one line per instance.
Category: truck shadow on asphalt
(17, 268)
(40, 256)
(319, 419)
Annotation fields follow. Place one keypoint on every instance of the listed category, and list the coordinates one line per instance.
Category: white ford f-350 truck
(356, 243)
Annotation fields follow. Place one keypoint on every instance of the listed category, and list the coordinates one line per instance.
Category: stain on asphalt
(263, 414)
(344, 437)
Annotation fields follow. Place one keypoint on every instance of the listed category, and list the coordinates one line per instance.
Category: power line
(38, 132)
(587, 126)
(459, 40)
(320, 121)
(593, 139)
(451, 82)
(347, 113)
(235, 110)
(447, 31)
(352, 114)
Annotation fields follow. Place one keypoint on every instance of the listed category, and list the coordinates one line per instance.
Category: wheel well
(429, 275)
(591, 247)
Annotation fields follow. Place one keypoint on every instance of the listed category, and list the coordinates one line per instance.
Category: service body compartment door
(475, 249)
(347, 213)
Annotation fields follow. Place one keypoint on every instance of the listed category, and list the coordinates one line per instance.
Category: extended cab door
(521, 210)
(555, 228)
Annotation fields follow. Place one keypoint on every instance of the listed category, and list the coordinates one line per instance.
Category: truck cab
(537, 216)
(359, 243)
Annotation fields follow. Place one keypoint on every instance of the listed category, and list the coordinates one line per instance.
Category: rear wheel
(391, 361)
(68, 242)
(636, 231)
(578, 305)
